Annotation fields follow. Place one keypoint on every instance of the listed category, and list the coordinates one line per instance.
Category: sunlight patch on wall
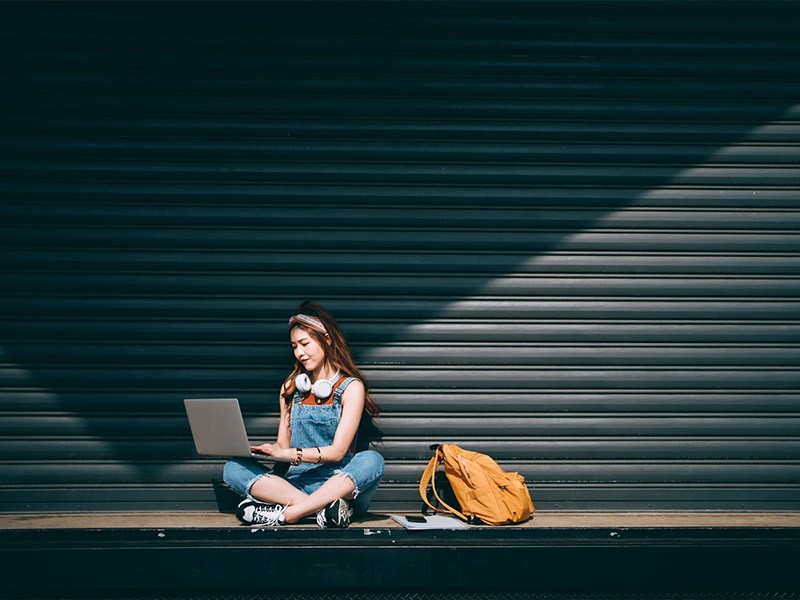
(565, 258)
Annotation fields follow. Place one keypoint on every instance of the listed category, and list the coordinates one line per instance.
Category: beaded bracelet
(299, 457)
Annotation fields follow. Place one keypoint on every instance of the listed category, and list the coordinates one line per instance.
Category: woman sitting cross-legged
(322, 403)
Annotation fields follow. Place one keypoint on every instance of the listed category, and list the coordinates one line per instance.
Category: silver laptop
(218, 428)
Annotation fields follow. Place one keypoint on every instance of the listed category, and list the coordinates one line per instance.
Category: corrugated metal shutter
(562, 233)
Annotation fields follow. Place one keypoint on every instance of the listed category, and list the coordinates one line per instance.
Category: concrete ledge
(103, 555)
(191, 520)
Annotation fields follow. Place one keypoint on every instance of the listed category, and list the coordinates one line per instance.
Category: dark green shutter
(565, 234)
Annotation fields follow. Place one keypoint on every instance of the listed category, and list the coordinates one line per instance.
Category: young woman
(322, 403)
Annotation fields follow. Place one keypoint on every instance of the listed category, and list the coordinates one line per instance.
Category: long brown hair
(337, 353)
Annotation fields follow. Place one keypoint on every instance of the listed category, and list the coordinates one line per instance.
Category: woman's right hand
(274, 451)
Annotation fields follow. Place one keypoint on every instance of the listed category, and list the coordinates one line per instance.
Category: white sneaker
(337, 514)
(260, 513)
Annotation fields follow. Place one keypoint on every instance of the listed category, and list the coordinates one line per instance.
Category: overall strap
(337, 402)
(339, 391)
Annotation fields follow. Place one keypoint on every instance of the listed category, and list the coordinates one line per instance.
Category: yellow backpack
(484, 490)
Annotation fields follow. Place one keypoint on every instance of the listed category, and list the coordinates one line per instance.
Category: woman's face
(307, 350)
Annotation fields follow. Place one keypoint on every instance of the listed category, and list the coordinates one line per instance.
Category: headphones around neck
(322, 388)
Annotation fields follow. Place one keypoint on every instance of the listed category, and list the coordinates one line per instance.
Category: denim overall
(315, 426)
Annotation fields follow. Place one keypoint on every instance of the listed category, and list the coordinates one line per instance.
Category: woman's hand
(275, 451)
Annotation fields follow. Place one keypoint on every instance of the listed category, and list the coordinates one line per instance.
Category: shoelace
(343, 518)
(340, 518)
(267, 514)
(321, 519)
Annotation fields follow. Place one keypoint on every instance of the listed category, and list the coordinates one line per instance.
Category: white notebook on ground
(419, 522)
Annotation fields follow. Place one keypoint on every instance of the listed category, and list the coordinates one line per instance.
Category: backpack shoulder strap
(429, 476)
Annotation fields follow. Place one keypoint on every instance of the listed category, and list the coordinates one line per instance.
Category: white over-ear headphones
(322, 388)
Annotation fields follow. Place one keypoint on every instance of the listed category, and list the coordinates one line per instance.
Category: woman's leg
(276, 490)
(366, 469)
(251, 479)
(338, 486)
(357, 480)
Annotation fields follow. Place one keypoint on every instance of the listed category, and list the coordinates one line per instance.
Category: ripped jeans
(364, 468)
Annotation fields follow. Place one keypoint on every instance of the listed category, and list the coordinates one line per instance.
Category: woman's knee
(231, 471)
(366, 469)
(370, 460)
(240, 474)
